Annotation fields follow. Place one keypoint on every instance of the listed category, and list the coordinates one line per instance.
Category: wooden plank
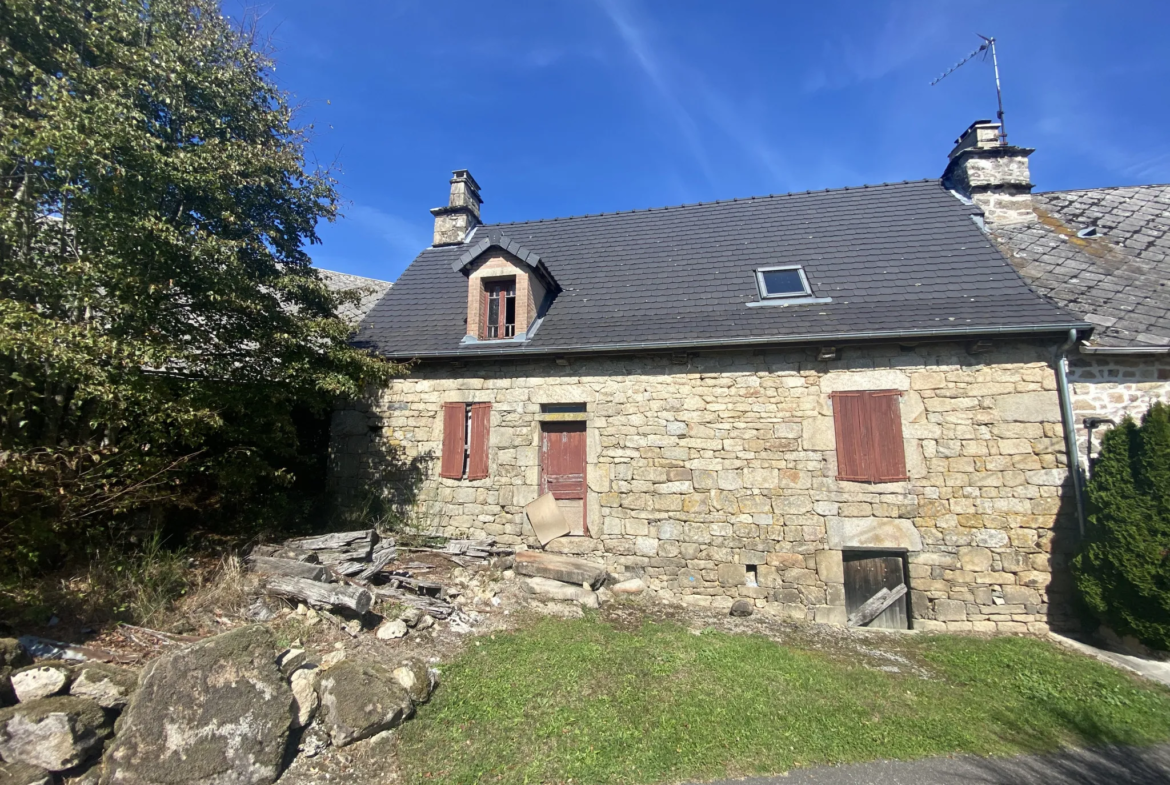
(872, 607)
(321, 595)
(432, 605)
(294, 569)
(381, 559)
(335, 541)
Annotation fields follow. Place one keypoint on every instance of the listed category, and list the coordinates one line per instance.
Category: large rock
(41, 681)
(359, 699)
(23, 774)
(555, 590)
(54, 733)
(109, 686)
(559, 568)
(215, 712)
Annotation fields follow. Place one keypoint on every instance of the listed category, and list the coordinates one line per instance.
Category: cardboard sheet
(546, 519)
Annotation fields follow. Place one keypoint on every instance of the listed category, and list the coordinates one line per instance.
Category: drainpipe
(1072, 452)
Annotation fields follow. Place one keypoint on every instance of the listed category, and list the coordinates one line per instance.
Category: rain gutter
(1072, 451)
(724, 343)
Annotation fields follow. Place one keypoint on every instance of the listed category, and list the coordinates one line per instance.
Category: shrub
(1123, 569)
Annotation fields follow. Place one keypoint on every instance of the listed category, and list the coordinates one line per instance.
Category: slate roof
(901, 259)
(372, 291)
(1118, 280)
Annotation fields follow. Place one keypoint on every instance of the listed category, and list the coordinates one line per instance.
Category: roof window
(782, 282)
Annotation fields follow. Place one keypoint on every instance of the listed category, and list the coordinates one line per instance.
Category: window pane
(510, 316)
(782, 282)
(493, 318)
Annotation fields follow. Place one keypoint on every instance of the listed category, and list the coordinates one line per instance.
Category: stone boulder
(556, 567)
(23, 774)
(12, 656)
(742, 608)
(42, 680)
(359, 699)
(109, 686)
(417, 679)
(216, 712)
(54, 733)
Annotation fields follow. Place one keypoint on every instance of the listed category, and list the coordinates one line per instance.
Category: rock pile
(63, 713)
(221, 710)
(558, 577)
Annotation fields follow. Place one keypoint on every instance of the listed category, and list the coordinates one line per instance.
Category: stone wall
(716, 478)
(1114, 386)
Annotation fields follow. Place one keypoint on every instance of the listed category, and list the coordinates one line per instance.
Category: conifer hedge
(1123, 569)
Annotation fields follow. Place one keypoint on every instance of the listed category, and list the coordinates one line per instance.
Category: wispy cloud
(657, 71)
(398, 234)
(908, 31)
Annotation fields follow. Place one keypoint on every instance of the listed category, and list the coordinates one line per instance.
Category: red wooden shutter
(481, 417)
(849, 422)
(889, 451)
(868, 425)
(454, 425)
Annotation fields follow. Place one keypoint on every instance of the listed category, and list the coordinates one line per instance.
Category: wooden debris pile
(349, 570)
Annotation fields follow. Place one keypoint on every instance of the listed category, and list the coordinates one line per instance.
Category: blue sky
(564, 107)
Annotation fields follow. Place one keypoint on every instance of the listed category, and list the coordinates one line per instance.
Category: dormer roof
(489, 238)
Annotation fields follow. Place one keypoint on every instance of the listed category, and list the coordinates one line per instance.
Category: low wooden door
(867, 573)
(562, 470)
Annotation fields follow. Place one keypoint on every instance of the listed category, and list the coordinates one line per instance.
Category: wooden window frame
(869, 440)
(466, 441)
(499, 287)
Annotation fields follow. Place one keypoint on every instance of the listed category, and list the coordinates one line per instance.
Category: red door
(562, 470)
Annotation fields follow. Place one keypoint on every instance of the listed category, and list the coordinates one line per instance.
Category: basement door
(562, 470)
(867, 573)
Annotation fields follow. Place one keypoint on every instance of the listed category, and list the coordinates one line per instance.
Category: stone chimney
(992, 174)
(461, 215)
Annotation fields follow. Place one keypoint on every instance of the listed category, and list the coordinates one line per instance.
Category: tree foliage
(1123, 569)
(164, 340)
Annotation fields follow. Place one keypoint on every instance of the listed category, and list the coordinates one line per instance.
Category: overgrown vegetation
(580, 701)
(165, 344)
(1123, 569)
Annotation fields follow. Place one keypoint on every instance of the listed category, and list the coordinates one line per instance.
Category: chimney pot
(455, 221)
(991, 174)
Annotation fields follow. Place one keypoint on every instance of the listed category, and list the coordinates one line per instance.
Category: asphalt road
(1106, 766)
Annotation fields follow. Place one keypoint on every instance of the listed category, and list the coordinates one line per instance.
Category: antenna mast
(988, 44)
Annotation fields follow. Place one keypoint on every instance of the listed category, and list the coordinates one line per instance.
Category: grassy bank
(582, 701)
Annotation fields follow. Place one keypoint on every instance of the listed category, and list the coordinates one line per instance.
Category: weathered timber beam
(321, 595)
(872, 607)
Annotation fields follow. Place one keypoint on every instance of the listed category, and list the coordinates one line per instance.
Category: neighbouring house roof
(371, 291)
(896, 260)
(1119, 279)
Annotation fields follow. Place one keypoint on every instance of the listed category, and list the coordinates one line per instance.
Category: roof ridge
(1103, 188)
(714, 202)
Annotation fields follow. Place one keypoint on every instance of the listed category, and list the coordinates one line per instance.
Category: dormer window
(499, 309)
(782, 282)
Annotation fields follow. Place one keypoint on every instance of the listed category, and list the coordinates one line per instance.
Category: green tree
(164, 340)
(1123, 569)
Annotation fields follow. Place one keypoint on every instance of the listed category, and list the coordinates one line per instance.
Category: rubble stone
(359, 699)
(24, 774)
(742, 608)
(303, 682)
(34, 682)
(55, 733)
(391, 630)
(555, 590)
(417, 679)
(109, 686)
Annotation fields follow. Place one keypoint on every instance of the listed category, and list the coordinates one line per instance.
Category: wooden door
(562, 470)
(867, 573)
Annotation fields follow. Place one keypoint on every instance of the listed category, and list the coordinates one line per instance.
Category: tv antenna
(988, 45)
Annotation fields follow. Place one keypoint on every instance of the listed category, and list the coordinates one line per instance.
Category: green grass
(580, 701)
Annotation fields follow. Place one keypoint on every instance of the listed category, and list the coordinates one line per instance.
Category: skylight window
(782, 282)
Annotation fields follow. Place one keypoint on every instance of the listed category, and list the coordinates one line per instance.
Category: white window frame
(764, 295)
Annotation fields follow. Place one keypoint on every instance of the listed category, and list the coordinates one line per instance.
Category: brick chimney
(992, 174)
(461, 215)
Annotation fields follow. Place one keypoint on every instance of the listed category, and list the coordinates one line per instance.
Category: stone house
(1104, 255)
(795, 399)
